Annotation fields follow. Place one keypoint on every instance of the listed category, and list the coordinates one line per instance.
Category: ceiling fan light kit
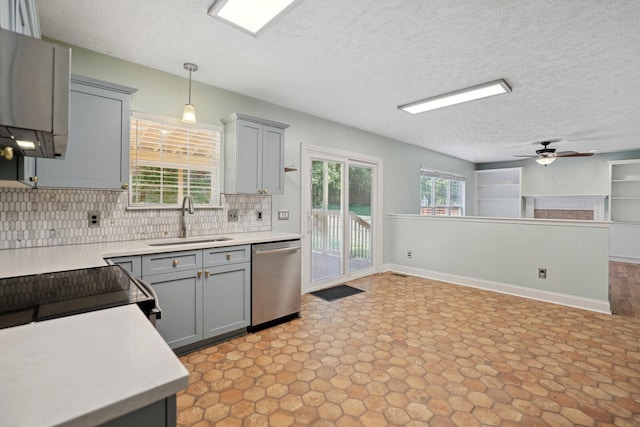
(485, 90)
(545, 155)
(545, 160)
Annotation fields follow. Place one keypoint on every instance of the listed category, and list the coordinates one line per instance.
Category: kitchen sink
(190, 241)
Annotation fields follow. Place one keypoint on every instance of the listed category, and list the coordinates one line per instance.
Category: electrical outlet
(259, 215)
(409, 254)
(542, 273)
(232, 215)
(94, 219)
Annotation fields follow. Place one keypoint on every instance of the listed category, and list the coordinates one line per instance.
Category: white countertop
(70, 372)
(47, 259)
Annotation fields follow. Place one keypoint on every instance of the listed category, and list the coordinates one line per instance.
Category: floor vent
(399, 274)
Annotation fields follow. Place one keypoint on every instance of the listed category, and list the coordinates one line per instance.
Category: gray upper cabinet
(253, 155)
(98, 151)
(20, 16)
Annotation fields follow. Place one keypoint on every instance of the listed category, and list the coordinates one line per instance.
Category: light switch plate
(283, 215)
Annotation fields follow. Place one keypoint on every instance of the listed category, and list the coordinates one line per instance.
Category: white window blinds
(168, 162)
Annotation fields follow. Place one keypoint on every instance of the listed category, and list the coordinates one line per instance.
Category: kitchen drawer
(223, 256)
(171, 262)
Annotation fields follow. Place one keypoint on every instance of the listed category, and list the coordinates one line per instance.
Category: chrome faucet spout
(187, 206)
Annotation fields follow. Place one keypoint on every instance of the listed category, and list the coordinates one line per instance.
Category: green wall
(165, 94)
(579, 175)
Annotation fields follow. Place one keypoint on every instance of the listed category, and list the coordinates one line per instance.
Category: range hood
(34, 96)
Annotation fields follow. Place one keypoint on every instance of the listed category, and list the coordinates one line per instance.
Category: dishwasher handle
(275, 251)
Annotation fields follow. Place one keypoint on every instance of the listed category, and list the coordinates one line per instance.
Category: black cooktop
(37, 297)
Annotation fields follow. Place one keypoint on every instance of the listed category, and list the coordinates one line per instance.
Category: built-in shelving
(498, 193)
(625, 191)
(624, 210)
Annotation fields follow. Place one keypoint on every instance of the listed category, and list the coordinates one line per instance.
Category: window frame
(171, 121)
(448, 207)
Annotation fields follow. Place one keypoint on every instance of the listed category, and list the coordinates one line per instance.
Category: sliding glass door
(339, 200)
(360, 216)
(326, 219)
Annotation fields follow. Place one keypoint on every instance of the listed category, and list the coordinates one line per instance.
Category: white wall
(580, 175)
(165, 94)
(573, 175)
(504, 255)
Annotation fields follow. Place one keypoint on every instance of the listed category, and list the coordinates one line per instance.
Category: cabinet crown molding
(239, 116)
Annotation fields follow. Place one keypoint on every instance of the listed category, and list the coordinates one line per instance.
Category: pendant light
(189, 112)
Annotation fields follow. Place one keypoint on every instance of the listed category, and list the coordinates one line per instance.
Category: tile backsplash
(49, 217)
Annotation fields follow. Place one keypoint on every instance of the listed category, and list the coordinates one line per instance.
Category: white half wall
(625, 242)
(504, 255)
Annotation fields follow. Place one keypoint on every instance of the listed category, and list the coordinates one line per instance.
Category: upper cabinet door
(273, 160)
(98, 151)
(254, 155)
(249, 165)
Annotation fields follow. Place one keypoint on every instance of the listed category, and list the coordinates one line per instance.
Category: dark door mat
(337, 292)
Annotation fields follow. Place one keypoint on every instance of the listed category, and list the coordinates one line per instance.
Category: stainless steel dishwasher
(275, 282)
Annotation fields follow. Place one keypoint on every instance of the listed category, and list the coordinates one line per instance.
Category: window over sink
(170, 160)
(441, 193)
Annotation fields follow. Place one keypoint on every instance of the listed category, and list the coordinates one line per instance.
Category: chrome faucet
(190, 209)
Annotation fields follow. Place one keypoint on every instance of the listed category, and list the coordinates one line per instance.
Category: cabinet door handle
(199, 274)
(125, 186)
(175, 262)
(228, 256)
(206, 273)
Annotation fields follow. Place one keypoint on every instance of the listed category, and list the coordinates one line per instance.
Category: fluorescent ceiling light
(485, 90)
(251, 16)
(545, 160)
(27, 145)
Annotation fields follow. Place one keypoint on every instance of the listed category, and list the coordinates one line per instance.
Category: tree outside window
(441, 193)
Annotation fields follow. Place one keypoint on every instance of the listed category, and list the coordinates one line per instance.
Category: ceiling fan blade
(575, 155)
(565, 153)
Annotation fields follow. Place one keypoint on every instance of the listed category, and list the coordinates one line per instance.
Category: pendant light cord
(189, 85)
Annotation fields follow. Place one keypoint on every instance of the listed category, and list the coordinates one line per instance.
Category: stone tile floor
(411, 351)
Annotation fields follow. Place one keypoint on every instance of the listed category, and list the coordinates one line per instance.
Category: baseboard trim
(504, 288)
(630, 260)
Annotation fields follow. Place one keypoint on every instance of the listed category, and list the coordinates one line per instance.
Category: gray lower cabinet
(133, 264)
(202, 294)
(159, 414)
(98, 151)
(226, 299)
(180, 297)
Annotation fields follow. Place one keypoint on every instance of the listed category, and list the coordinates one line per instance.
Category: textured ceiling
(574, 65)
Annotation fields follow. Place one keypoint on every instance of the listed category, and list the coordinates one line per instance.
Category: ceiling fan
(545, 155)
